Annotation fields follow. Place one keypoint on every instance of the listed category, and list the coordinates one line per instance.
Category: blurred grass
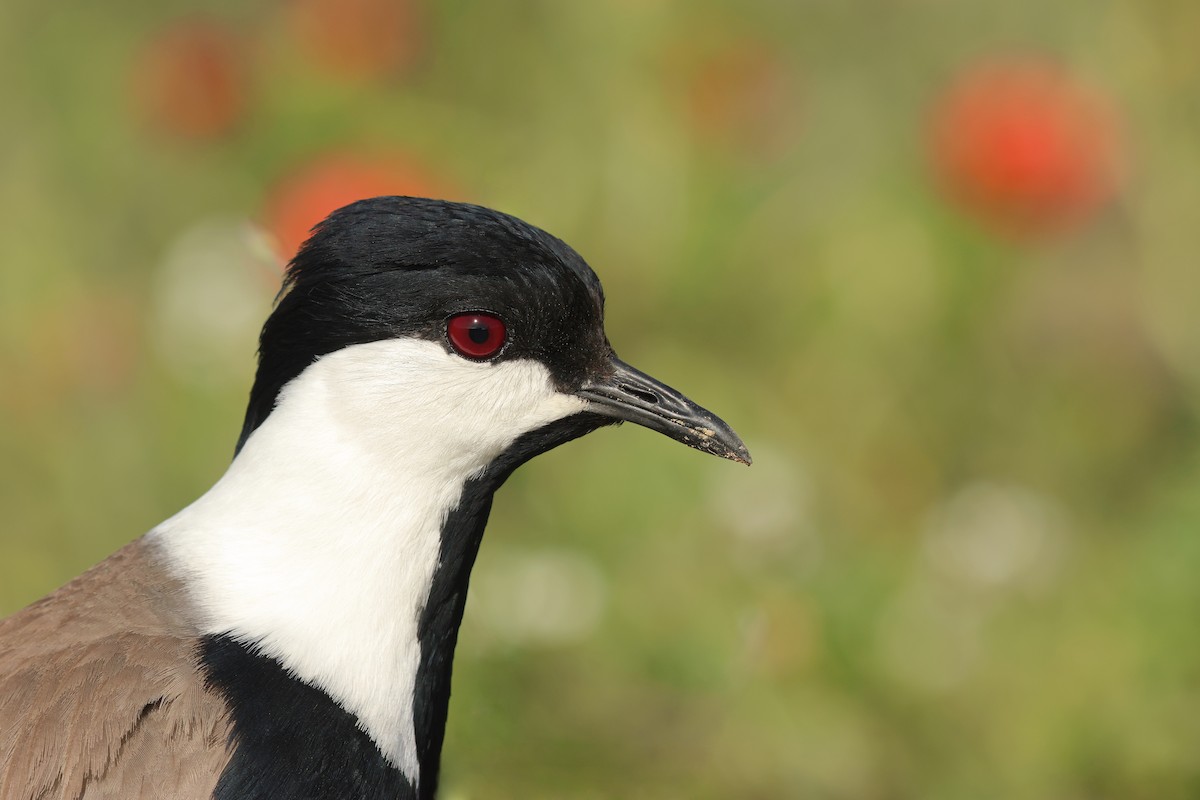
(963, 565)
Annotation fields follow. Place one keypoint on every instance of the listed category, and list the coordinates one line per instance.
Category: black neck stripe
(294, 742)
(438, 626)
(291, 740)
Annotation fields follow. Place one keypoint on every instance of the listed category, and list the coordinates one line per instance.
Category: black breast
(291, 740)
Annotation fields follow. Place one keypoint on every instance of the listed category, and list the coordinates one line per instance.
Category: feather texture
(101, 697)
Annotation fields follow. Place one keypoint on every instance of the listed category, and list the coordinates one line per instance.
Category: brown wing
(100, 696)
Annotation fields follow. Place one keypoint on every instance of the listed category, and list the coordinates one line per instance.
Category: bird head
(483, 333)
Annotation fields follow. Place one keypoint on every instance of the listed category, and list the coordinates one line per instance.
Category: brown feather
(101, 697)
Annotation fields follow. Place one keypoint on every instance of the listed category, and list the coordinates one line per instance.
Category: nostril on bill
(640, 394)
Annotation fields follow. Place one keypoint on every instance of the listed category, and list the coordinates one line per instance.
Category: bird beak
(629, 394)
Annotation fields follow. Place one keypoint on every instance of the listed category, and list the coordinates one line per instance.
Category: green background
(964, 564)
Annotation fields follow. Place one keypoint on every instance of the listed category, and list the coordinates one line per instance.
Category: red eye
(476, 335)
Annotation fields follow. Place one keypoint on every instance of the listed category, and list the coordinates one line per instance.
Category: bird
(290, 634)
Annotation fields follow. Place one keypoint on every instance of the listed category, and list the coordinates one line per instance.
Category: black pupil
(479, 333)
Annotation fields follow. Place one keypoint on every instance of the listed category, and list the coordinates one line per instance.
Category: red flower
(742, 95)
(358, 38)
(190, 81)
(1025, 147)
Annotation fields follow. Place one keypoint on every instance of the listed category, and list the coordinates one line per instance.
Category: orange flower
(308, 195)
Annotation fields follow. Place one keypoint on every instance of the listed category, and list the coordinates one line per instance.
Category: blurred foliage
(964, 562)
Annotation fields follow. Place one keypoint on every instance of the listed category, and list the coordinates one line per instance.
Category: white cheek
(410, 397)
(321, 541)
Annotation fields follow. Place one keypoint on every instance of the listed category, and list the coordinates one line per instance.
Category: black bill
(632, 395)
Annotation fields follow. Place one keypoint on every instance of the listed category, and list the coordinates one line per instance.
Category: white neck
(320, 543)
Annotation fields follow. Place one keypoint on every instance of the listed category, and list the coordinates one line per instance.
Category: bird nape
(290, 634)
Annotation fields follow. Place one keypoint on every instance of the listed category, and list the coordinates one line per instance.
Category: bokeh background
(936, 261)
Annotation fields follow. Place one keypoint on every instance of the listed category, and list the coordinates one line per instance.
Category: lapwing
(290, 634)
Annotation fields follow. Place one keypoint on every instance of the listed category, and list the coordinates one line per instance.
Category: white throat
(320, 542)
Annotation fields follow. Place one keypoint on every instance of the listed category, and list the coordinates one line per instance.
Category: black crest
(400, 266)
